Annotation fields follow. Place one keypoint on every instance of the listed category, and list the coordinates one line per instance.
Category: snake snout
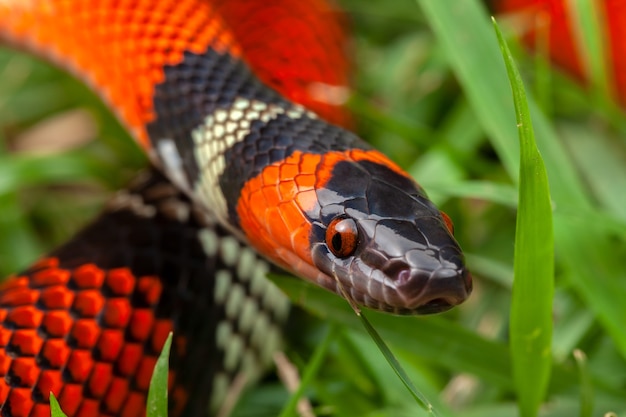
(445, 288)
(430, 284)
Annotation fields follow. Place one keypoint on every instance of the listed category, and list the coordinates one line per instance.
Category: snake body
(236, 113)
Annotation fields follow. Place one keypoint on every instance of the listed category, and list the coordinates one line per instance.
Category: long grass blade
(588, 254)
(420, 398)
(533, 284)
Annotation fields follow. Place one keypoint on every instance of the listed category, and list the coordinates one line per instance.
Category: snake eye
(342, 236)
(448, 221)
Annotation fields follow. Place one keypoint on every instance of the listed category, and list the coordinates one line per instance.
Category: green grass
(533, 260)
(432, 92)
(55, 409)
(157, 394)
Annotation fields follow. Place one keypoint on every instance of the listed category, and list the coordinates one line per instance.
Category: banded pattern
(88, 321)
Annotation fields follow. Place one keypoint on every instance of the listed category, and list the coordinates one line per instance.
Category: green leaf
(55, 408)
(157, 394)
(533, 283)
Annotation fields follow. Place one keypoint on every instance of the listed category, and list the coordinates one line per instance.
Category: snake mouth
(443, 289)
(438, 305)
(428, 293)
(428, 285)
(376, 301)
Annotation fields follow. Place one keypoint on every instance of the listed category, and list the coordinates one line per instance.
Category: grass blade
(588, 255)
(586, 386)
(55, 408)
(157, 394)
(421, 400)
(533, 285)
(434, 339)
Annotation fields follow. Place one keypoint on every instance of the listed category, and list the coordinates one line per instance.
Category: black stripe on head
(194, 89)
(367, 188)
(274, 141)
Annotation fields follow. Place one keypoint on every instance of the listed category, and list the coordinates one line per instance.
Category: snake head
(353, 222)
(385, 243)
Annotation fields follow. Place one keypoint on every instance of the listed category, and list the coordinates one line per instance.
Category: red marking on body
(57, 323)
(110, 344)
(24, 317)
(119, 49)
(85, 332)
(129, 359)
(40, 410)
(141, 324)
(79, 365)
(26, 370)
(4, 391)
(134, 406)
(149, 288)
(27, 341)
(116, 394)
(615, 16)
(46, 263)
(564, 51)
(88, 408)
(88, 276)
(56, 352)
(144, 372)
(117, 312)
(53, 276)
(57, 297)
(266, 34)
(162, 329)
(19, 297)
(49, 381)
(88, 303)
(14, 282)
(100, 379)
(5, 336)
(120, 281)
(554, 15)
(40, 337)
(273, 205)
(5, 362)
(70, 398)
(21, 404)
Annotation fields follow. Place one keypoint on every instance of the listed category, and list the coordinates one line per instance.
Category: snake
(237, 105)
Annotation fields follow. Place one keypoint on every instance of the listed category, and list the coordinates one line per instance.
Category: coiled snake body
(232, 101)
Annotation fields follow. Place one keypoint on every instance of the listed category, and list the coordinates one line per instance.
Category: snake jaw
(425, 292)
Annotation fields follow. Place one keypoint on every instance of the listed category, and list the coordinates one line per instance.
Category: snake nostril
(446, 288)
(403, 276)
(400, 272)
